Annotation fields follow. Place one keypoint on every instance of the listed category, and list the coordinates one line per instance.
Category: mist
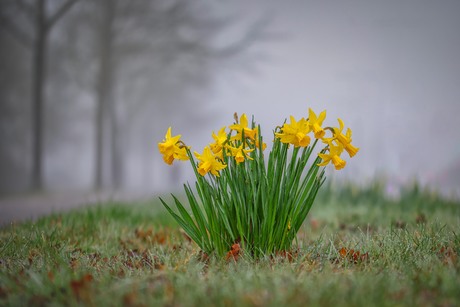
(117, 74)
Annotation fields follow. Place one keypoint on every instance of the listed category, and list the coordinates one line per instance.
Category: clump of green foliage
(247, 199)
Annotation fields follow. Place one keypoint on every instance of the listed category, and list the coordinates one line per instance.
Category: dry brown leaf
(447, 255)
(81, 288)
(234, 252)
(353, 256)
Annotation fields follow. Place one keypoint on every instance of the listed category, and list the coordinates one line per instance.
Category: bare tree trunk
(117, 150)
(39, 66)
(104, 90)
(43, 24)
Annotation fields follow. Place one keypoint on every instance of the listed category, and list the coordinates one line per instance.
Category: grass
(135, 255)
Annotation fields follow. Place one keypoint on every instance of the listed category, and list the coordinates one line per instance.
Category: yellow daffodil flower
(239, 153)
(181, 153)
(170, 149)
(315, 123)
(334, 156)
(243, 126)
(220, 139)
(295, 133)
(352, 150)
(345, 140)
(208, 163)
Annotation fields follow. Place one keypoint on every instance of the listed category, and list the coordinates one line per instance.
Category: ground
(357, 248)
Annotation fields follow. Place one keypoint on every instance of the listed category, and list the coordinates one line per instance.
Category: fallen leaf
(234, 252)
(159, 237)
(81, 288)
(130, 299)
(143, 234)
(353, 256)
(447, 255)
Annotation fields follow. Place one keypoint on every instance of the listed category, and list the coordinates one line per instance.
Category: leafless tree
(141, 61)
(163, 43)
(41, 16)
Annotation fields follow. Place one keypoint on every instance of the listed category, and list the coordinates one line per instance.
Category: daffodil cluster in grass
(245, 196)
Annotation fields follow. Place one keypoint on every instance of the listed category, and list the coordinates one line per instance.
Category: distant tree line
(134, 61)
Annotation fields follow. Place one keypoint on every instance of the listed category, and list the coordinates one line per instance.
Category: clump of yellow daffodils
(256, 203)
(211, 160)
(296, 133)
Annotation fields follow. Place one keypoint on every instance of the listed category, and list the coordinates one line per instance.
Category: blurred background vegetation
(88, 88)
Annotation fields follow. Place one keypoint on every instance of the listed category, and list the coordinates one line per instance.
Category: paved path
(30, 207)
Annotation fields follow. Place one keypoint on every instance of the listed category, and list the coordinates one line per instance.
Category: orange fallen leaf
(81, 287)
(234, 252)
(51, 276)
(160, 237)
(354, 256)
(143, 234)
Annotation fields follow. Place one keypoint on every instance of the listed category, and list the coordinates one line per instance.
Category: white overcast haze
(389, 69)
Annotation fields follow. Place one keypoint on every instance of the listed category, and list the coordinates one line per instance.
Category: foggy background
(88, 88)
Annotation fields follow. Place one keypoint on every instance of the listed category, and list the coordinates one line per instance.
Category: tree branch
(20, 36)
(59, 13)
(253, 34)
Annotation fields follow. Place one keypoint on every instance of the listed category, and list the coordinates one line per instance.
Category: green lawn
(357, 248)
